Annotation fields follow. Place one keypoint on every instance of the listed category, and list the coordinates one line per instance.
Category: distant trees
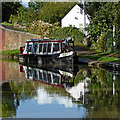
(65, 32)
(54, 12)
(104, 17)
(9, 8)
(48, 12)
(101, 26)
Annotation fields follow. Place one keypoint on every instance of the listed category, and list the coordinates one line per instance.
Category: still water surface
(49, 92)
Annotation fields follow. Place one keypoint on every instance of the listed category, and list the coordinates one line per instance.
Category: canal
(59, 92)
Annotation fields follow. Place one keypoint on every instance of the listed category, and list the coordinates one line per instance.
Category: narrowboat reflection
(57, 77)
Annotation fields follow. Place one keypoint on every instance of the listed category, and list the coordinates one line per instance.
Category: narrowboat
(48, 51)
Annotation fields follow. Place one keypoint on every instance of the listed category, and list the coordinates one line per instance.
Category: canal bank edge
(89, 62)
(98, 64)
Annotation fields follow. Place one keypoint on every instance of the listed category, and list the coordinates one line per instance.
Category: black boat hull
(33, 58)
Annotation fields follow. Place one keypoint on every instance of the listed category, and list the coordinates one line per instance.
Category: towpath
(81, 50)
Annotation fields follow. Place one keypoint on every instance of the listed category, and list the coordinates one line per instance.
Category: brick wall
(10, 71)
(12, 39)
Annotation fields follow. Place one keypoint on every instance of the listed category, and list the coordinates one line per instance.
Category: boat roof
(69, 39)
(44, 40)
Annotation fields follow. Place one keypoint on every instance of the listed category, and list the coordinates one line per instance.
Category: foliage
(10, 52)
(102, 58)
(101, 27)
(6, 23)
(54, 12)
(108, 59)
(25, 15)
(92, 7)
(101, 93)
(62, 33)
(46, 11)
(9, 8)
(41, 28)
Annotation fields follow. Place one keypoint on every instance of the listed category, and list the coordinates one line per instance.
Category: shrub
(62, 33)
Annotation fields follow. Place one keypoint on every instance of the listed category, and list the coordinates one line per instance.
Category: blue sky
(25, 2)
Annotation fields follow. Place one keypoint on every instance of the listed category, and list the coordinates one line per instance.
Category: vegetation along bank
(44, 19)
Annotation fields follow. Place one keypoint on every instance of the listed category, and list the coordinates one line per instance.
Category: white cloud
(44, 98)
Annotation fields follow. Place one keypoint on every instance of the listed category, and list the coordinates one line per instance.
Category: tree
(54, 12)
(9, 8)
(101, 27)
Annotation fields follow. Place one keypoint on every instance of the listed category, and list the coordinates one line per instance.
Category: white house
(76, 18)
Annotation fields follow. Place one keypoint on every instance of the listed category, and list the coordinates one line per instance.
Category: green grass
(10, 52)
(102, 58)
(109, 59)
(5, 23)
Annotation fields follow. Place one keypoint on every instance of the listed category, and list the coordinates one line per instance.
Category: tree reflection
(12, 93)
(102, 98)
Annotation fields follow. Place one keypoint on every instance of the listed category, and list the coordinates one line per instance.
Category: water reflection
(76, 92)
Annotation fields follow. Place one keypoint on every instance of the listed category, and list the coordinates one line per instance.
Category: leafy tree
(26, 15)
(54, 12)
(101, 26)
(62, 33)
(48, 12)
(9, 8)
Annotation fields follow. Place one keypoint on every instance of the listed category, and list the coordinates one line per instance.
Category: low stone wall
(13, 39)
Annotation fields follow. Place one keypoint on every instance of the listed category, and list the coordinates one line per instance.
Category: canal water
(59, 92)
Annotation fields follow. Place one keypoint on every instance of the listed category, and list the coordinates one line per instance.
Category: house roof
(81, 7)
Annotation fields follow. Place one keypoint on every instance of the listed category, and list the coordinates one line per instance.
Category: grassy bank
(10, 53)
(6, 23)
(103, 57)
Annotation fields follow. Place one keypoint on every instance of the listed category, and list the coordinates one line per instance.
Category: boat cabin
(47, 46)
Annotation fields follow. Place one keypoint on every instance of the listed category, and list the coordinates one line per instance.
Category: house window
(81, 12)
(78, 10)
(76, 18)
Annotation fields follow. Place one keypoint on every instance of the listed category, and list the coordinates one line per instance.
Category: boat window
(55, 47)
(45, 76)
(30, 48)
(40, 76)
(40, 47)
(44, 48)
(35, 47)
(35, 75)
(55, 78)
(49, 78)
(49, 48)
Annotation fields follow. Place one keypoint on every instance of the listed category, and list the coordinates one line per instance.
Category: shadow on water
(89, 92)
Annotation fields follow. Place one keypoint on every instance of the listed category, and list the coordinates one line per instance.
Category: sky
(25, 2)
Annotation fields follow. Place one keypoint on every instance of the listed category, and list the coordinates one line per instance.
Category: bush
(62, 33)
(41, 28)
